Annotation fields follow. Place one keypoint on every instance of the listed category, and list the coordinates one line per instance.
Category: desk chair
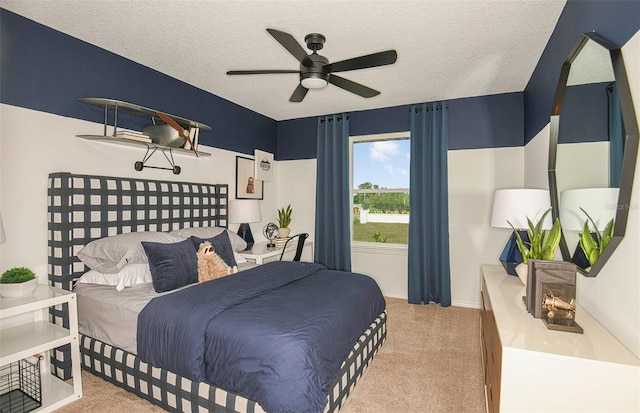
(302, 237)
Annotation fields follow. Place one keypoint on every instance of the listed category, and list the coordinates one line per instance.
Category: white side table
(33, 333)
(260, 254)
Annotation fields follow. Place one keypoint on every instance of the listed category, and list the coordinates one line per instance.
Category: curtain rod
(429, 109)
(331, 119)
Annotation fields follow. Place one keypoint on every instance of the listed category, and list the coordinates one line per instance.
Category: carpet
(431, 362)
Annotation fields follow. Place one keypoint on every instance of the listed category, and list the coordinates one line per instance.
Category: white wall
(34, 144)
(52, 146)
(472, 241)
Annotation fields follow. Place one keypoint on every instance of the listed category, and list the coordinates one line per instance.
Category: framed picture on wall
(264, 165)
(247, 187)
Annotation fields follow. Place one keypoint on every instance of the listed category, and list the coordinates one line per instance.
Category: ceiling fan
(316, 71)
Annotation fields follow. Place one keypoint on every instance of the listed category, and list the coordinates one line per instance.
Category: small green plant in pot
(542, 245)
(17, 282)
(593, 247)
(284, 219)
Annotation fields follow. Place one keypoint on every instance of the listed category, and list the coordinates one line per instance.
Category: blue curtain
(333, 237)
(616, 136)
(429, 269)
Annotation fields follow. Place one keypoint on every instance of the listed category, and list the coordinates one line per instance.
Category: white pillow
(131, 274)
(237, 243)
(240, 259)
(110, 254)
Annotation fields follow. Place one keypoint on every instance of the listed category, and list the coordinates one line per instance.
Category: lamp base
(244, 231)
(579, 258)
(511, 257)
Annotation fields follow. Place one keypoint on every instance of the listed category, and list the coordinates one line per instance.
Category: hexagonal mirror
(592, 152)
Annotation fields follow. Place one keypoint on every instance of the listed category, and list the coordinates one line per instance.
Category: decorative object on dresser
(511, 209)
(551, 294)
(17, 282)
(244, 211)
(592, 211)
(270, 232)
(542, 245)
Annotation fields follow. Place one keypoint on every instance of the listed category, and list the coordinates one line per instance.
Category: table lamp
(515, 206)
(244, 211)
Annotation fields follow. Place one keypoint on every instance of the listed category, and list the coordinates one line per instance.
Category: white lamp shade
(515, 206)
(244, 211)
(2, 237)
(600, 203)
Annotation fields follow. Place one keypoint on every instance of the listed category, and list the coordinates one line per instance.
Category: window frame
(366, 246)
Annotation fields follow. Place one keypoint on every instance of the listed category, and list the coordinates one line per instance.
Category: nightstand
(26, 330)
(260, 254)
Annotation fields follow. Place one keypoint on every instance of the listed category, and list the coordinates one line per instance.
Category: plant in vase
(593, 247)
(17, 282)
(284, 219)
(542, 245)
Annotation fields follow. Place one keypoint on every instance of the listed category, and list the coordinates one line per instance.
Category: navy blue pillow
(222, 245)
(172, 265)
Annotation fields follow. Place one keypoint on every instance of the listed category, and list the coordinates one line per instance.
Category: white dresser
(529, 368)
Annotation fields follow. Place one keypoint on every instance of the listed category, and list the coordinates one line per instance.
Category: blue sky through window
(383, 163)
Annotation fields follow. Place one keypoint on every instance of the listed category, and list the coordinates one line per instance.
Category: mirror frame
(630, 148)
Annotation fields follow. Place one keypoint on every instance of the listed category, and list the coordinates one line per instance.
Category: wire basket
(20, 388)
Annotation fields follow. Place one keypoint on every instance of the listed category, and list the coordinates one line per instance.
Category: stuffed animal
(210, 265)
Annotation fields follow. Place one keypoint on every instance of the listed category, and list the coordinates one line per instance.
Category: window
(380, 188)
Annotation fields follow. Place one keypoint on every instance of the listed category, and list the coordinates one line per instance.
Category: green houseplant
(17, 282)
(284, 219)
(593, 247)
(542, 245)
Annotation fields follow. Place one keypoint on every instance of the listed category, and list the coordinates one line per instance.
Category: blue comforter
(276, 334)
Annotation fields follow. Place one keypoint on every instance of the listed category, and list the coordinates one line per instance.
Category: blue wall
(46, 70)
(616, 20)
(477, 122)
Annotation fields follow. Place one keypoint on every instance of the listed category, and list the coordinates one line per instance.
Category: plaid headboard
(82, 208)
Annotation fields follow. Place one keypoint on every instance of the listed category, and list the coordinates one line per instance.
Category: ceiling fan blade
(260, 72)
(363, 62)
(353, 87)
(292, 45)
(298, 94)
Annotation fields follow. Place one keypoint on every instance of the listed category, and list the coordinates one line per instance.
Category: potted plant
(284, 219)
(593, 247)
(542, 245)
(17, 282)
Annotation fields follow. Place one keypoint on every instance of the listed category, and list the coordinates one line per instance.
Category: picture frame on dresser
(247, 186)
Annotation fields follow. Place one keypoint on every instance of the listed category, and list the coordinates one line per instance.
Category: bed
(84, 208)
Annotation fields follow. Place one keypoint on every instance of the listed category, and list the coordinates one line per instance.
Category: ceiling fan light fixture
(314, 82)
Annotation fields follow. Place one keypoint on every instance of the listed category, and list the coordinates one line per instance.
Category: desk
(260, 254)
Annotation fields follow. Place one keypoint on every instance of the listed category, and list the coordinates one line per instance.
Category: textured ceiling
(446, 48)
